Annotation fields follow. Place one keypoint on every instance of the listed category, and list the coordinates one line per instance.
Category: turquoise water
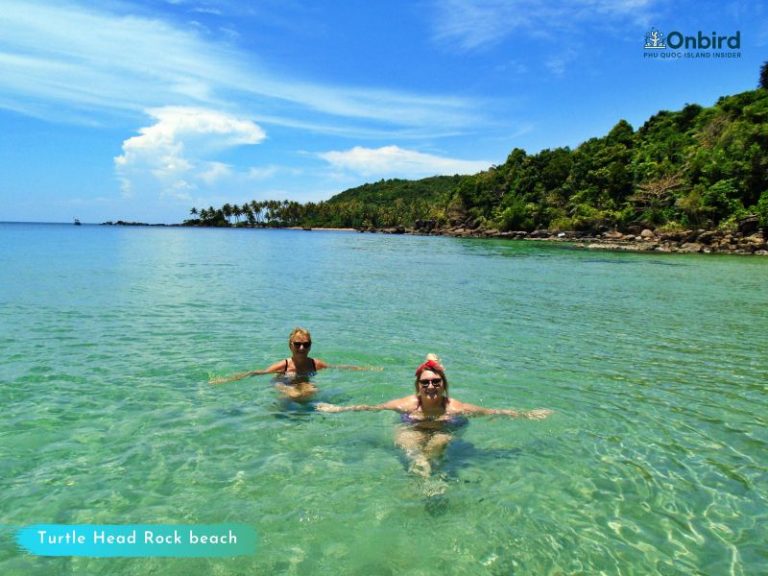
(655, 461)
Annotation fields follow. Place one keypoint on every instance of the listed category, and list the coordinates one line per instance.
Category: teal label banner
(138, 540)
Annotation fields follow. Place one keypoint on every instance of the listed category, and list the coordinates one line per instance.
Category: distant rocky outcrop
(747, 240)
(124, 223)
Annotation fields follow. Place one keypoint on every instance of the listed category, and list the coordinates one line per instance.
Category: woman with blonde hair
(295, 371)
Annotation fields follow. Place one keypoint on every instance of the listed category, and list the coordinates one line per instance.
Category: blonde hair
(299, 331)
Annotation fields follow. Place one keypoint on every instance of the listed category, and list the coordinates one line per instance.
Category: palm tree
(249, 215)
(256, 207)
(227, 211)
(271, 213)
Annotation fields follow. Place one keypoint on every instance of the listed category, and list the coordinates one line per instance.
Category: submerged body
(294, 374)
(429, 415)
(294, 383)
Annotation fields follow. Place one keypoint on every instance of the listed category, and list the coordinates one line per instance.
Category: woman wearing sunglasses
(298, 366)
(429, 415)
(295, 372)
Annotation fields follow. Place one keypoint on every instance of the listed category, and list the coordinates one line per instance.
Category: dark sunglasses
(425, 382)
(303, 344)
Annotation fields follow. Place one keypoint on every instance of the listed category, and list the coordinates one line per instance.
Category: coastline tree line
(695, 168)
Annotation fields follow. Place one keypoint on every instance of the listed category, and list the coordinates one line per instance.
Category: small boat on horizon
(77, 222)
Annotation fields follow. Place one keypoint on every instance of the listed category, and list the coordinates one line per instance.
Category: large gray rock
(690, 248)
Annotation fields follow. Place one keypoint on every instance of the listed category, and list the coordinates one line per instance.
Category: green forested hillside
(693, 168)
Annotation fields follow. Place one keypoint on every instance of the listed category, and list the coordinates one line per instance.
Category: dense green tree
(227, 210)
(697, 167)
(762, 210)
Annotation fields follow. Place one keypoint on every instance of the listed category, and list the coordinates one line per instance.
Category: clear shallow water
(654, 463)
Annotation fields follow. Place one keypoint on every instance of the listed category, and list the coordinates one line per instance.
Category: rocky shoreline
(748, 240)
(124, 223)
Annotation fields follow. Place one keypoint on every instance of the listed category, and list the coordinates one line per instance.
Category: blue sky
(141, 110)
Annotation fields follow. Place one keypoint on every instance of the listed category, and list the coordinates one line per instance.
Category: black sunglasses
(434, 381)
(303, 344)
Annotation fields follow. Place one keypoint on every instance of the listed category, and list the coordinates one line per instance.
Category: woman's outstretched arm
(320, 365)
(399, 405)
(473, 410)
(325, 407)
(274, 368)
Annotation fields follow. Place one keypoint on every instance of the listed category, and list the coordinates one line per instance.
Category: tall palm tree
(248, 211)
(271, 213)
(257, 211)
(227, 211)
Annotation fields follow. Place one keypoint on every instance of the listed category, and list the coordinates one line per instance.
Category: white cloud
(559, 63)
(262, 173)
(393, 161)
(61, 61)
(215, 172)
(170, 155)
(475, 24)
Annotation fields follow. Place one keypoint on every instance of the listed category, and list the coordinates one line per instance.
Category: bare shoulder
(278, 366)
(320, 364)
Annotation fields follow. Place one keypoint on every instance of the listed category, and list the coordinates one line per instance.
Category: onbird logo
(654, 40)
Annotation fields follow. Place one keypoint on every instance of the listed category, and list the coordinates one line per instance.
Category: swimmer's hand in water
(538, 414)
(325, 407)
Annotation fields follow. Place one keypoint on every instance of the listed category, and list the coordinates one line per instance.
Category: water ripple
(653, 463)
